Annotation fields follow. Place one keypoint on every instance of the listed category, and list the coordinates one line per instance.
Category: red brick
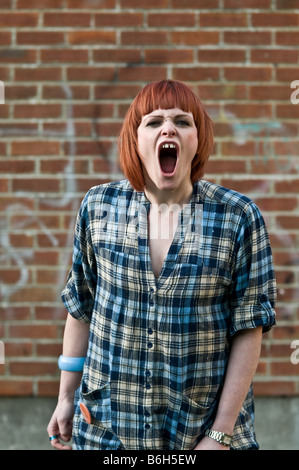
(287, 38)
(18, 20)
(246, 37)
(144, 4)
(142, 73)
(274, 388)
(171, 20)
(247, 4)
(287, 186)
(12, 313)
(287, 111)
(196, 4)
(193, 38)
(5, 38)
(284, 368)
(143, 38)
(17, 166)
(287, 74)
(32, 368)
(35, 148)
(290, 222)
(274, 56)
(49, 349)
(108, 92)
(36, 185)
(221, 55)
(20, 92)
(269, 92)
(118, 20)
(61, 128)
(56, 92)
(90, 4)
(38, 111)
(38, 74)
(194, 74)
(286, 4)
(13, 388)
(18, 349)
(277, 203)
(92, 37)
(248, 74)
(62, 19)
(3, 185)
(40, 37)
(46, 4)
(64, 55)
(269, 20)
(223, 20)
(48, 388)
(16, 56)
(168, 56)
(117, 55)
(34, 331)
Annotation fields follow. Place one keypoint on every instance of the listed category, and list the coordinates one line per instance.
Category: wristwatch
(220, 437)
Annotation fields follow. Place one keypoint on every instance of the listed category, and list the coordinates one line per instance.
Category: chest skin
(162, 221)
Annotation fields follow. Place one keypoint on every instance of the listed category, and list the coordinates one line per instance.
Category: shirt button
(150, 331)
(147, 386)
(148, 373)
(147, 413)
(150, 345)
(147, 426)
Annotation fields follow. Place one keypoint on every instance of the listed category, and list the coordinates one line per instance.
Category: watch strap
(221, 437)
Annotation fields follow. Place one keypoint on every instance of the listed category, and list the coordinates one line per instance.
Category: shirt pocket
(98, 402)
(117, 271)
(192, 421)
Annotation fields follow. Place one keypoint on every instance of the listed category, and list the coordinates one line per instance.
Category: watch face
(226, 440)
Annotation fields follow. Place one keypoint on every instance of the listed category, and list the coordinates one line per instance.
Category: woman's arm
(242, 364)
(75, 343)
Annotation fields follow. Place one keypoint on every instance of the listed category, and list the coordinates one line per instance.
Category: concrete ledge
(23, 423)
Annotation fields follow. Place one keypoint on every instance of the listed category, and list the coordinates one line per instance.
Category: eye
(154, 123)
(182, 122)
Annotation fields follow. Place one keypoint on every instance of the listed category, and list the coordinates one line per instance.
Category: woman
(171, 287)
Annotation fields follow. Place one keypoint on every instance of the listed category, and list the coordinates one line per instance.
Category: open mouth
(168, 155)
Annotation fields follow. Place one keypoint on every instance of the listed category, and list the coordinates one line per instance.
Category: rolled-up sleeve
(254, 288)
(79, 293)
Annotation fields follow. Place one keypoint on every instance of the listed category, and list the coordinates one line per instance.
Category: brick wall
(70, 69)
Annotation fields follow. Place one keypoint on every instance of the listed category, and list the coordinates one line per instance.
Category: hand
(210, 444)
(61, 424)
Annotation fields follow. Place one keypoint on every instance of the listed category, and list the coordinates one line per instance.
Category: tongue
(167, 163)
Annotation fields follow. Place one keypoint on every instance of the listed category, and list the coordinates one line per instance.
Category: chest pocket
(118, 268)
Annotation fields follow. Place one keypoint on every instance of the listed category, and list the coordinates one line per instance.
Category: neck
(178, 196)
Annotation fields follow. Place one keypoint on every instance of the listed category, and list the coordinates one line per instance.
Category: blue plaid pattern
(158, 348)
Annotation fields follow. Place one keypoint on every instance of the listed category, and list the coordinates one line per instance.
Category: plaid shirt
(158, 348)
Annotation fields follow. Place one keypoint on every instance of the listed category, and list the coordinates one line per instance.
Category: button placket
(150, 348)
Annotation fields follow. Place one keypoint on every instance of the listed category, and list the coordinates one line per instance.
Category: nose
(168, 128)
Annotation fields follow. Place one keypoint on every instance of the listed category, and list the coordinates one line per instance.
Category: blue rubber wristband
(71, 364)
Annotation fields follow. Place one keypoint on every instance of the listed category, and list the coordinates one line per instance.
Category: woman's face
(167, 143)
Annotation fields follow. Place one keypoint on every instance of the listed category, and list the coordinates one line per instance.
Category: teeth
(168, 146)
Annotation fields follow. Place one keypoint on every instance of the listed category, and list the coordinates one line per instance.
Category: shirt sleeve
(253, 293)
(79, 292)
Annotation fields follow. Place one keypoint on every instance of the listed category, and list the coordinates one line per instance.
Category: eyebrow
(161, 116)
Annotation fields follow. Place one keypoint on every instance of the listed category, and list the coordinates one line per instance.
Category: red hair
(164, 94)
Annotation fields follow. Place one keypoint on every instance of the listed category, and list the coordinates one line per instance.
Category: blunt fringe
(164, 94)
